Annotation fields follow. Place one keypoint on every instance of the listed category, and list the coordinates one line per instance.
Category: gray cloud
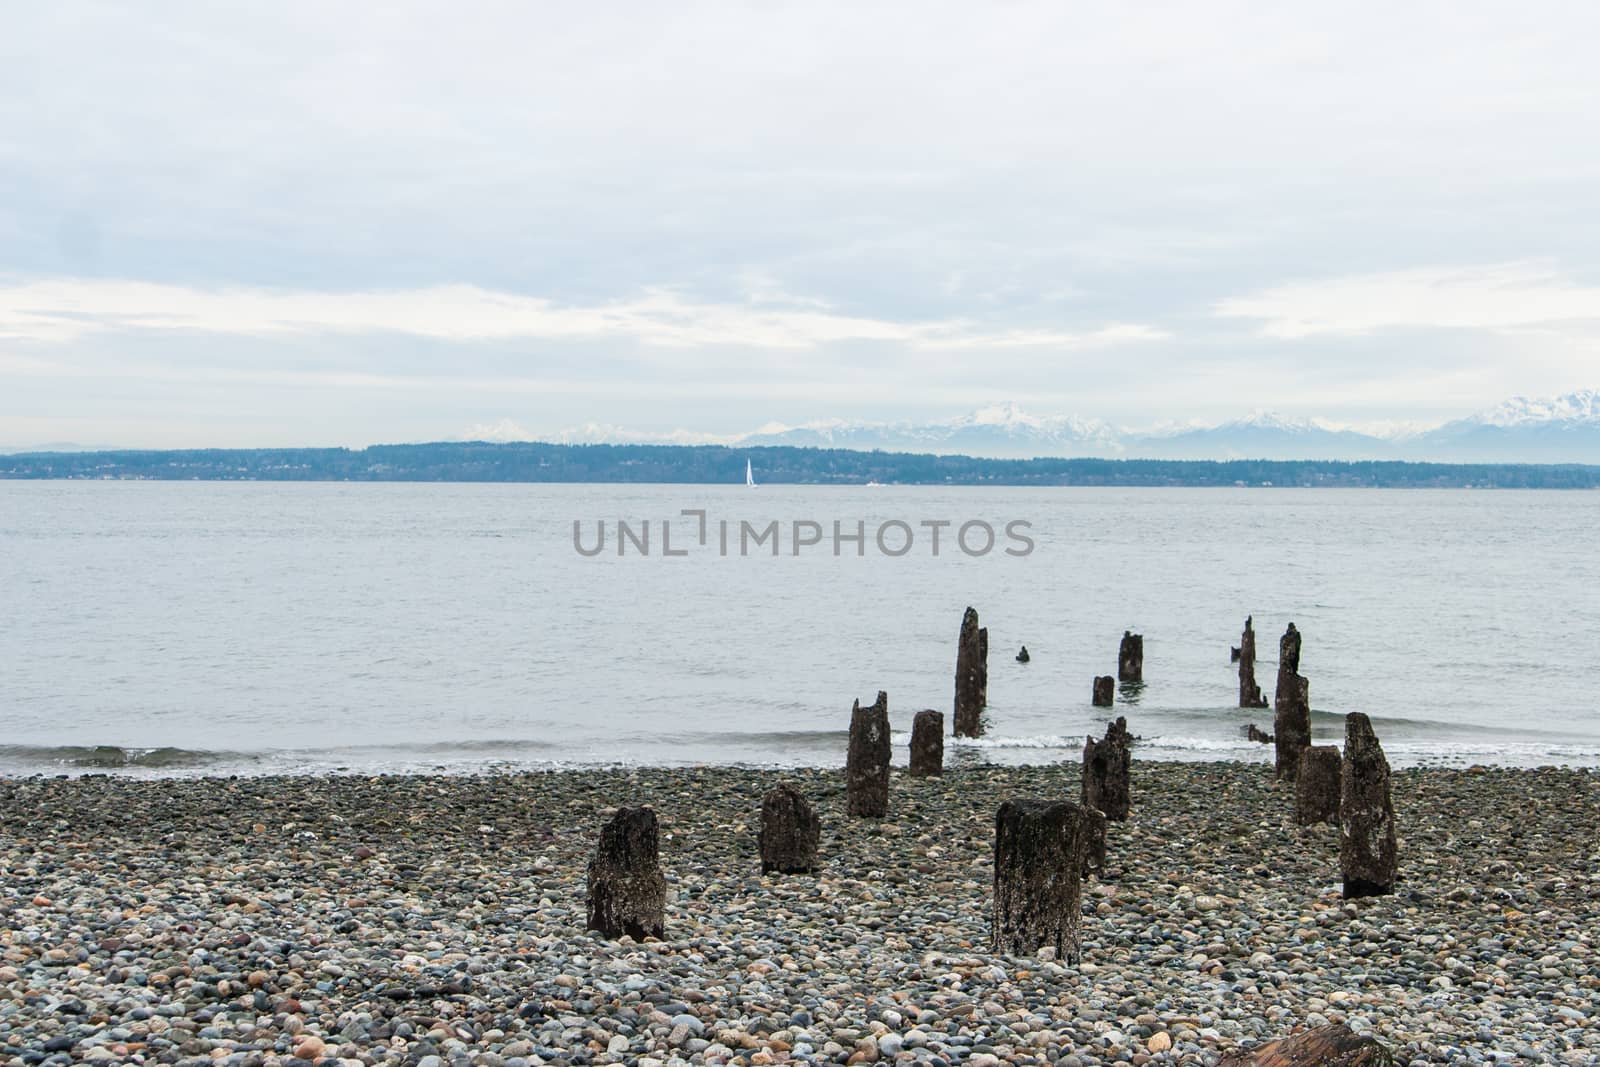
(797, 205)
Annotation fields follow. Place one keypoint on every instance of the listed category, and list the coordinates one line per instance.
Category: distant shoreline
(535, 462)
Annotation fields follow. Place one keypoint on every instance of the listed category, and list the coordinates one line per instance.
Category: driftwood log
(1326, 1046)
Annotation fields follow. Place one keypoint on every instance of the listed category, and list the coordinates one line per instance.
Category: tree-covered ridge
(714, 464)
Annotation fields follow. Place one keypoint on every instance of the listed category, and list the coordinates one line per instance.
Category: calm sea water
(178, 628)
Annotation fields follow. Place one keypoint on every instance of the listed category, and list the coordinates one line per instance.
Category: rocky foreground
(439, 920)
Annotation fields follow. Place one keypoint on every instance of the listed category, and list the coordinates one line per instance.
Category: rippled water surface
(265, 627)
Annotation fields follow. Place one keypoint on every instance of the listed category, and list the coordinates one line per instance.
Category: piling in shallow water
(1130, 657)
(1250, 695)
(1105, 689)
(972, 675)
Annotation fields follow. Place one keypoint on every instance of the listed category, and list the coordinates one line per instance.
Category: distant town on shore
(715, 464)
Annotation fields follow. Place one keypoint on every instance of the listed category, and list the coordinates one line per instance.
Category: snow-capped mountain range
(1564, 429)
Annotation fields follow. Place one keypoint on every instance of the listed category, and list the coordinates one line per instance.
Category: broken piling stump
(1291, 725)
(789, 832)
(1038, 885)
(1094, 843)
(1130, 657)
(1249, 692)
(1367, 849)
(1022, 656)
(927, 743)
(1326, 1046)
(1105, 689)
(627, 891)
(972, 682)
(1256, 733)
(1106, 770)
(1316, 786)
(867, 763)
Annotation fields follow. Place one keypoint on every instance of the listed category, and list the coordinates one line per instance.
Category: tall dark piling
(927, 743)
(1107, 764)
(1250, 695)
(627, 891)
(1288, 661)
(790, 832)
(866, 770)
(1039, 852)
(1130, 657)
(1367, 849)
(1291, 726)
(972, 675)
(1316, 786)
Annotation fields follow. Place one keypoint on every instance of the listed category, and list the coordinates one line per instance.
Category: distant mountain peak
(1580, 406)
(1561, 429)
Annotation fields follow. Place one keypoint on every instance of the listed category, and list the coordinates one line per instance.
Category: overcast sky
(314, 223)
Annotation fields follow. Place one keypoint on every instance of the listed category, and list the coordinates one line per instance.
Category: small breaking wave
(112, 757)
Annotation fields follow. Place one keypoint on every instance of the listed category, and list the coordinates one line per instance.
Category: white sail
(749, 475)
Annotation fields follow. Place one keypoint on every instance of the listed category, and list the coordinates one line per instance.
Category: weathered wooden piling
(1022, 656)
(1130, 657)
(867, 764)
(789, 833)
(1291, 725)
(1039, 853)
(627, 891)
(1256, 733)
(1105, 689)
(1250, 695)
(927, 743)
(1367, 849)
(983, 666)
(1316, 786)
(1106, 770)
(1288, 662)
(972, 675)
(1094, 843)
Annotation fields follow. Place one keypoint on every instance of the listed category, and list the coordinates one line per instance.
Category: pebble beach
(439, 920)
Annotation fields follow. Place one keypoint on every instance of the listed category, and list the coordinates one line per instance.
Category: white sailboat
(749, 475)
